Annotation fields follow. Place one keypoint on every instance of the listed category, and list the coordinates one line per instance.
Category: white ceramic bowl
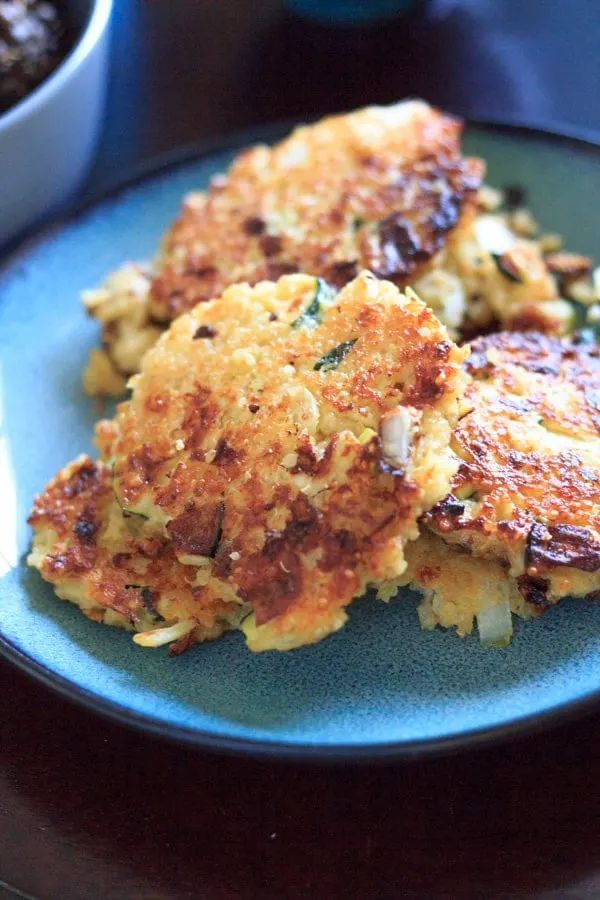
(48, 138)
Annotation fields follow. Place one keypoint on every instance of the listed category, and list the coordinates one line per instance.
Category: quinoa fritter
(383, 188)
(527, 492)
(279, 446)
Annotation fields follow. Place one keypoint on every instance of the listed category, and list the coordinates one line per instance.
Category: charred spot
(400, 247)
(85, 527)
(270, 244)
(427, 200)
(74, 561)
(205, 331)
(340, 273)
(562, 545)
(307, 461)
(450, 507)
(272, 584)
(144, 464)
(81, 479)
(253, 226)
(509, 529)
(197, 530)
(532, 351)
(428, 385)
(273, 317)
(303, 514)
(253, 408)
(515, 196)
(534, 590)
(225, 453)
(446, 216)
(273, 577)
(199, 417)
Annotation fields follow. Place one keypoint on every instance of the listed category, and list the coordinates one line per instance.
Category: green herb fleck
(313, 314)
(333, 358)
(128, 512)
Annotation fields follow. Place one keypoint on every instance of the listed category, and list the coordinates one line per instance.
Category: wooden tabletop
(90, 809)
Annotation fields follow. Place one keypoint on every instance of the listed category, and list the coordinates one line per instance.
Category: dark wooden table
(90, 810)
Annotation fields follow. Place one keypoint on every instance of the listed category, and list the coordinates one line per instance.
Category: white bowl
(47, 139)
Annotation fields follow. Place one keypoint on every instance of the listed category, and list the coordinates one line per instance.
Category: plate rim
(318, 752)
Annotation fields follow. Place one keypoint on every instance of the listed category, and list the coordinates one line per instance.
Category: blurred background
(187, 70)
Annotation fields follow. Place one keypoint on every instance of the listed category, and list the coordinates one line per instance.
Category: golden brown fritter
(383, 188)
(378, 189)
(528, 488)
(279, 445)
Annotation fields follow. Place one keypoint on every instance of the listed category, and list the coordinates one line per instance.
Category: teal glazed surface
(380, 685)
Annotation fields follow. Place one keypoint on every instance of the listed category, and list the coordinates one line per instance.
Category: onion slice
(495, 624)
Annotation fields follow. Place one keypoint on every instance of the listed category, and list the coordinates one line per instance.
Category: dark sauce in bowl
(34, 39)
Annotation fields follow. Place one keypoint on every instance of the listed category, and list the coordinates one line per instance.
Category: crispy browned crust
(528, 487)
(255, 461)
(375, 189)
(116, 565)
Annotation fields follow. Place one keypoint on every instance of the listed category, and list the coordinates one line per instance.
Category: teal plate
(380, 687)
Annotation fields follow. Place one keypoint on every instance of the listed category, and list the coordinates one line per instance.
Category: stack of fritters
(385, 189)
(279, 447)
(289, 443)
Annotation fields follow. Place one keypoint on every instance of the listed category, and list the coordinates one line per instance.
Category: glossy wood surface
(90, 809)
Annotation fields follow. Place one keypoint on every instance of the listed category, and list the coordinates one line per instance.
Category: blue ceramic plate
(378, 687)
